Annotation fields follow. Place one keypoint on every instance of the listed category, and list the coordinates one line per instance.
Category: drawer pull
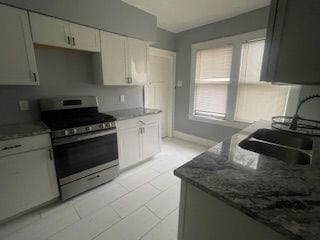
(92, 178)
(11, 147)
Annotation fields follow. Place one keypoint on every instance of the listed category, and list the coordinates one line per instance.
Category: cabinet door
(17, 58)
(50, 31)
(113, 59)
(85, 38)
(137, 61)
(129, 144)
(26, 180)
(151, 138)
(292, 46)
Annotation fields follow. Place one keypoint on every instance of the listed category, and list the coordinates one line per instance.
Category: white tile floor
(142, 203)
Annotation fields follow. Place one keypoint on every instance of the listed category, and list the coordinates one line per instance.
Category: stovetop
(63, 119)
(58, 124)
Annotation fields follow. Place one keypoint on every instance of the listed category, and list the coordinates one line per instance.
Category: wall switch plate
(122, 98)
(179, 83)
(24, 105)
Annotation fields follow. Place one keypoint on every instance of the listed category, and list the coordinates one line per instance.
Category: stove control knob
(102, 125)
(110, 125)
(88, 128)
(74, 131)
(65, 132)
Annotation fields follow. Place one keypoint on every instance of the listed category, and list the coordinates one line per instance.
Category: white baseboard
(194, 139)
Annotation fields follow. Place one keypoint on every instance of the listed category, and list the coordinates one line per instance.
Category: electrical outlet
(122, 98)
(24, 105)
(179, 83)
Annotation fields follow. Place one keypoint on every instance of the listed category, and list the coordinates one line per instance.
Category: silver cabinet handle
(129, 79)
(73, 41)
(140, 121)
(12, 147)
(35, 77)
(69, 40)
(50, 154)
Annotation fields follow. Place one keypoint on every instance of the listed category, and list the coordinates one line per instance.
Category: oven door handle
(78, 138)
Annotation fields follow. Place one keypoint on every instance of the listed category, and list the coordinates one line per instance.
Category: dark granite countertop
(132, 113)
(20, 130)
(284, 197)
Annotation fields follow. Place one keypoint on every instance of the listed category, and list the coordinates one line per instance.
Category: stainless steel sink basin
(289, 148)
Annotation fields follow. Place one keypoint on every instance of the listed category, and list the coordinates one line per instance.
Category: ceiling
(179, 15)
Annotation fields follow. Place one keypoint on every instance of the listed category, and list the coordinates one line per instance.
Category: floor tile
(165, 180)
(167, 229)
(163, 204)
(135, 199)
(131, 228)
(18, 223)
(89, 227)
(93, 203)
(138, 179)
(46, 227)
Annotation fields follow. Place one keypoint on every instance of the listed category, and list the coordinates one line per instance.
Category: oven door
(76, 155)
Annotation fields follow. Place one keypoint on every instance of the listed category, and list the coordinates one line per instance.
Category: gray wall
(165, 40)
(243, 23)
(63, 73)
(110, 15)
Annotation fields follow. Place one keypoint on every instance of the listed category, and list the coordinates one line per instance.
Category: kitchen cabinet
(138, 139)
(292, 44)
(59, 33)
(150, 140)
(111, 63)
(123, 61)
(27, 178)
(17, 59)
(137, 61)
(129, 142)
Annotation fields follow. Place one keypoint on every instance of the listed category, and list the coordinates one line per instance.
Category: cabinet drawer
(19, 145)
(138, 121)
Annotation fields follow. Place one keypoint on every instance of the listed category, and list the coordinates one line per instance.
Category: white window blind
(257, 100)
(213, 67)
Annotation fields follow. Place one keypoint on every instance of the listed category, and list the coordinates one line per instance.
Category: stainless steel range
(84, 143)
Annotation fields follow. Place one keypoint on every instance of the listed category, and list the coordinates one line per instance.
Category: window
(212, 81)
(257, 100)
(225, 82)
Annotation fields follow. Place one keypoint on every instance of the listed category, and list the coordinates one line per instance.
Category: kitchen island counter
(284, 197)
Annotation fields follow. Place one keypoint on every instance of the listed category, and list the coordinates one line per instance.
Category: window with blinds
(257, 100)
(213, 70)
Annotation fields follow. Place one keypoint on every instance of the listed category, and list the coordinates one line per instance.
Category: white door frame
(167, 54)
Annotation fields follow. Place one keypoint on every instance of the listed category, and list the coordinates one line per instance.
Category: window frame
(236, 43)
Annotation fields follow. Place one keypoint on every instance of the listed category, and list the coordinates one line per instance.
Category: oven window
(75, 157)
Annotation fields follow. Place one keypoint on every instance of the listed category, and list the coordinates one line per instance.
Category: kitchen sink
(285, 139)
(290, 148)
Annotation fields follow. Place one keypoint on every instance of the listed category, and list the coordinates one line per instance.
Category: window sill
(215, 121)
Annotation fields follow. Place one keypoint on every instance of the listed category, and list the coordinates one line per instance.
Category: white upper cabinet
(123, 61)
(112, 61)
(17, 59)
(58, 33)
(50, 31)
(137, 61)
(85, 38)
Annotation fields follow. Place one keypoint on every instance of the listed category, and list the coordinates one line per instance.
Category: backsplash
(63, 73)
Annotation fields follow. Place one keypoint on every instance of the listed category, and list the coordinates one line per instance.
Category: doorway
(159, 93)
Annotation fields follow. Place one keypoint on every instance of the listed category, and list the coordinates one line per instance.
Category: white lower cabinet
(129, 147)
(150, 140)
(138, 139)
(27, 180)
